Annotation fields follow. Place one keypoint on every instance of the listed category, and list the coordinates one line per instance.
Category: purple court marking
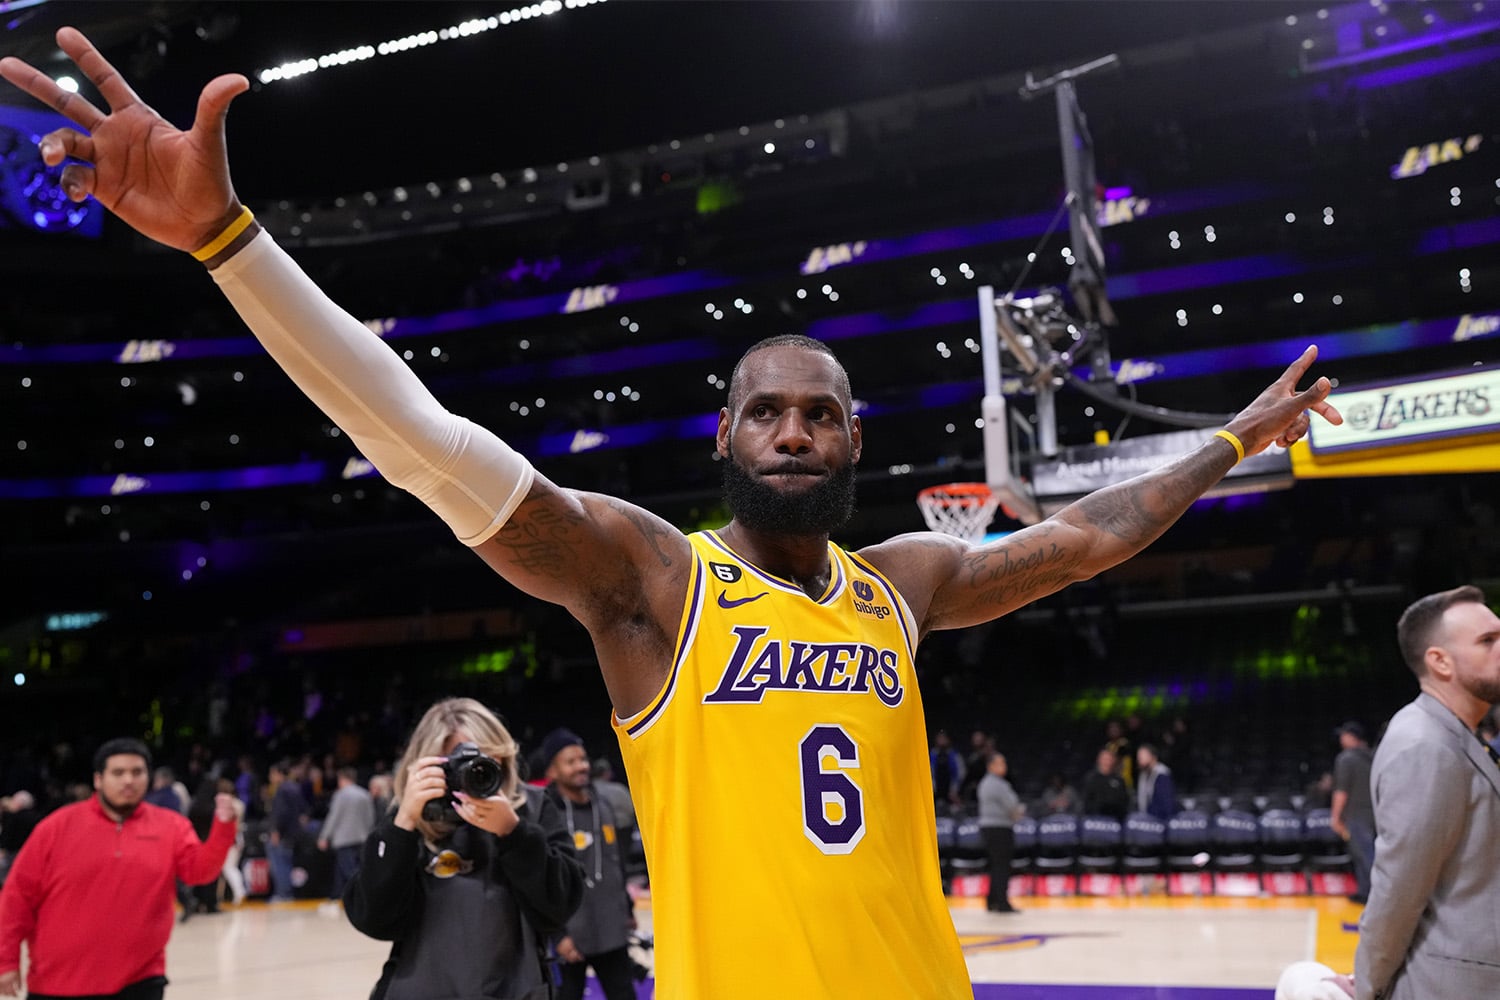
(1043, 991)
(1050, 991)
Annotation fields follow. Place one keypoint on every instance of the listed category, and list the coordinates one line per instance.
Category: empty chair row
(1278, 840)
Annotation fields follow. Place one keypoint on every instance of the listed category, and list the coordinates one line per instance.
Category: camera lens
(480, 777)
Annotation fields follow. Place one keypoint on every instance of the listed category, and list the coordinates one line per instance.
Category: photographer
(451, 867)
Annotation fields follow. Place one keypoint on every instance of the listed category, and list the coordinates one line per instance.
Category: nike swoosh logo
(726, 603)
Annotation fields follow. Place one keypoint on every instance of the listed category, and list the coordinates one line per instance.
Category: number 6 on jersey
(833, 815)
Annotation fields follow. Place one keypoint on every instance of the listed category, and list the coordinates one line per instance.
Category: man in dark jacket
(289, 812)
(599, 933)
(1104, 791)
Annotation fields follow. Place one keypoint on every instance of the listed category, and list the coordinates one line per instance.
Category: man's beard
(1486, 690)
(761, 507)
(123, 811)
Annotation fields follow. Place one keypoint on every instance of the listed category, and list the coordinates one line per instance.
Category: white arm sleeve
(467, 475)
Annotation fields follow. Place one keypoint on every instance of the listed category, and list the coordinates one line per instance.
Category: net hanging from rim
(963, 510)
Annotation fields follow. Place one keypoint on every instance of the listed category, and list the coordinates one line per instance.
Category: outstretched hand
(170, 185)
(1280, 414)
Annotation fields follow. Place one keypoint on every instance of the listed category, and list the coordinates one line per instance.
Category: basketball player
(762, 678)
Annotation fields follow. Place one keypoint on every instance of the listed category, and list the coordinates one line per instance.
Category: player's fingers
(1298, 368)
(45, 89)
(1317, 391)
(65, 142)
(1294, 433)
(78, 181)
(1328, 412)
(110, 84)
(213, 103)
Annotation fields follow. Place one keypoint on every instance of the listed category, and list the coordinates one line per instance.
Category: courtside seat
(1283, 854)
(1021, 862)
(1145, 839)
(1283, 841)
(969, 855)
(1187, 841)
(1235, 836)
(1057, 845)
(1101, 842)
(1326, 850)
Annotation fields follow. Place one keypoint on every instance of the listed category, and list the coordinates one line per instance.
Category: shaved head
(737, 380)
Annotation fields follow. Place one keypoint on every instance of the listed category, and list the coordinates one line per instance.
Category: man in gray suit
(1432, 926)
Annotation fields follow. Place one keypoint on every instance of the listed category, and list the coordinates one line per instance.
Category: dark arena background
(571, 219)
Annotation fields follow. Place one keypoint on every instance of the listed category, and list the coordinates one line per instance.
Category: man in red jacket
(98, 878)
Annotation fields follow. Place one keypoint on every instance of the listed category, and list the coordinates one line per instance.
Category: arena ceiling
(622, 76)
(586, 81)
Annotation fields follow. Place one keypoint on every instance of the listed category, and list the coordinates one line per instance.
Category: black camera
(471, 771)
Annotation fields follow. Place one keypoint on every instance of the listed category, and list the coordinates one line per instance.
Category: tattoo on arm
(1084, 539)
(1005, 576)
(1138, 510)
(650, 529)
(541, 540)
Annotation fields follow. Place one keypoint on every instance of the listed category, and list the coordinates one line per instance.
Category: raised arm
(621, 571)
(170, 185)
(951, 584)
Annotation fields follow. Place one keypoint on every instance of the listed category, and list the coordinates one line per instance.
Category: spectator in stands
(1429, 928)
(18, 817)
(1319, 793)
(598, 934)
(1119, 745)
(947, 773)
(1352, 812)
(315, 788)
(446, 868)
(201, 812)
(351, 818)
(247, 786)
(380, 794)
(92, 890)
(1104, 792)
(164, 792)
(981, 749)
(1058, 797)
(999, 808)
(1177, 751)
(1155, 792)
(289, 816)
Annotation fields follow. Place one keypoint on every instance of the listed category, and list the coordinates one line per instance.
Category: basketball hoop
(962, 510)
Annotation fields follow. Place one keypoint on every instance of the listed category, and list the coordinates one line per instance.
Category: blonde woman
(446, 871)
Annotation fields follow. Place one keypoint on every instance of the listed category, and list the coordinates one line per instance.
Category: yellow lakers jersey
(784, 794)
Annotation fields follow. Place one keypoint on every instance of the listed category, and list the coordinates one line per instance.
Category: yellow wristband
(1239, 446)
(239, 225)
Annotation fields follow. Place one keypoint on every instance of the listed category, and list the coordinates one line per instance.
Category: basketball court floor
(1149, 948)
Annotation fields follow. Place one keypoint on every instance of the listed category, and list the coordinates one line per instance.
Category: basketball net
(963, 510)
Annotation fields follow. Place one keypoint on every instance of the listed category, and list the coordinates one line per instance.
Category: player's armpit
(599, 557)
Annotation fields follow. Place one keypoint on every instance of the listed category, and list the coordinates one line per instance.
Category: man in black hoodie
(599, 933)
